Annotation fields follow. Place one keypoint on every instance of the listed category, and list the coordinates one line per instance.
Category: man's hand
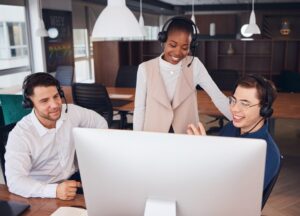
(193, 130)
(67, 190)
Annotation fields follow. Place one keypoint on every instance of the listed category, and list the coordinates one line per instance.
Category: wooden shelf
(259, 55)
(266, 57)
(230, 55)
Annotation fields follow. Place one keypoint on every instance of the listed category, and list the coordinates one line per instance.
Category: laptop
(10, 208)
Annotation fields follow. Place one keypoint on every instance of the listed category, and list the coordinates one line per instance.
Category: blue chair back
(11, 111)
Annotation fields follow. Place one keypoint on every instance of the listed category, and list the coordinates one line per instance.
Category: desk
(40, 206)
(287, 105)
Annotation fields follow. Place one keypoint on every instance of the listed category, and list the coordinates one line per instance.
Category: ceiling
(175, 7)
(209, 2)
(183, 6)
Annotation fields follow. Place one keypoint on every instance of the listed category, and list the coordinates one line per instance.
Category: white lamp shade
(252, 27)
(141, 21)
(194, 21)
(41, 31)
(243, 29)
(116, 21)
(193, 18)
(142, 26)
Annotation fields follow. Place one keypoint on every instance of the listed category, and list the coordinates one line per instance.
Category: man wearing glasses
(251, 106)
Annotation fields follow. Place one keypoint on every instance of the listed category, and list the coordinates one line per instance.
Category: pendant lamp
(193, 17)
(41, 31)
(141, 19)
(243, 29)
(252, 27)
(116, 22)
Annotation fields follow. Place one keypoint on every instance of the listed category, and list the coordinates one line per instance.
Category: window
(14, 51)
(83, 59)
(151, 32)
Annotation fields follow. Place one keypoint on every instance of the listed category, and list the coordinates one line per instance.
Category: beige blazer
(160, 113)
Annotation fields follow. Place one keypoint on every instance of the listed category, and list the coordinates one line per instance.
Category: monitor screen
(203, 175)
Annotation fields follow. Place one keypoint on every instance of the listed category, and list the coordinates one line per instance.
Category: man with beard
(40, 151)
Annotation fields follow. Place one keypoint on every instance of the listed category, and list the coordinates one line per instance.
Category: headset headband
(169, 21)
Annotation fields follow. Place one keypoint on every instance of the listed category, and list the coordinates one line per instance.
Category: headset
(163, 34)
(32, 80)
(266, 109)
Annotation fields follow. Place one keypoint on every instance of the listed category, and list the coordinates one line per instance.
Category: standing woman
(166, 96)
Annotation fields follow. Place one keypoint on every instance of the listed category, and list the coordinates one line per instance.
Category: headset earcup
(194, 42)
(60, 92)
(266, 111)
(269, 112)
(26, 103)
(162, 36)
(193, 46)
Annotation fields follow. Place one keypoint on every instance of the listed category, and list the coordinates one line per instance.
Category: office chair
(225, 80)
(11, 111)
(126, 78)
(289, 81)
(95, 97)
(65, 75)
(269, 188)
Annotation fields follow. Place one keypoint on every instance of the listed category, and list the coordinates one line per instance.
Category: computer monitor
(203, 175)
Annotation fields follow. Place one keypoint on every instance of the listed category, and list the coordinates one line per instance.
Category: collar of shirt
(43, 130)
(257, 134)
(168, 67)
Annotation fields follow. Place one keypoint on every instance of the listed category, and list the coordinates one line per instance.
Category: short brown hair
(266, 90)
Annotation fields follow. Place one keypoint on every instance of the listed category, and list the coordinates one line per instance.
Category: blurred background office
(56, 36)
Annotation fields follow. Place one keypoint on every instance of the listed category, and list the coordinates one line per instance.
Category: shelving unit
(265, 57)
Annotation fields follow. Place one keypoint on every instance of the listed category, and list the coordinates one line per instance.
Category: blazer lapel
(159, 91)
(185, 85)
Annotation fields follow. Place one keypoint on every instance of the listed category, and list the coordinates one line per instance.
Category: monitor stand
(156, 207)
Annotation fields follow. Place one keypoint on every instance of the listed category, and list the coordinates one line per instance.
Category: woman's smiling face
(177, 46)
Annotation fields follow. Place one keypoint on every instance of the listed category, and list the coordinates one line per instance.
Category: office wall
(13, 2)
(57, 4)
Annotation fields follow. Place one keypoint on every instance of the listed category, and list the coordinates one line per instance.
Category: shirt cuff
(50, 191)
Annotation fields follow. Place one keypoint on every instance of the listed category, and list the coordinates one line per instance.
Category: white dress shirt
(170, 74)
(38, 158)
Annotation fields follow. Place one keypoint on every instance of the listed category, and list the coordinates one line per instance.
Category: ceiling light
(252, 27)
(53, 33)
(243, 29)
(193, 15)
(194, 19)
(141, 19)
(116, 22)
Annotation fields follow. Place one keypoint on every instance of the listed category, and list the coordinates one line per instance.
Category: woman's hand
(194, 130)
